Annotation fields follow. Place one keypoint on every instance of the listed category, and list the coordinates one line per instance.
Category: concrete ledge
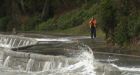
(17, 42)
(34, 56)
(11, 51)
(16, 54)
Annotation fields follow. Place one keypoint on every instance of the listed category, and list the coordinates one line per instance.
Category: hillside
(118, 19)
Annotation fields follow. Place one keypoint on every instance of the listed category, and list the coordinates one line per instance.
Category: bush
(134, 26)
(128, 28)
(47, 26)
(128, 23)
(31, 24)
(121, 32)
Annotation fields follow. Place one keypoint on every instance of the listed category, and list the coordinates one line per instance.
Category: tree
(107, 17)
(48, 10)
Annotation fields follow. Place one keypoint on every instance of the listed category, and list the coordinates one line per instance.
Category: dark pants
(93, 32)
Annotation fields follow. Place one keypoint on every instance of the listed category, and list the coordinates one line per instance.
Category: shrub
(134, 26)
(47, 26)
(32, 23)
(121, 33)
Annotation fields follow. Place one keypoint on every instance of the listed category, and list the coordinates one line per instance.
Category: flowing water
(127, 64)
(59, 56)
(61, 65)
(80, 63)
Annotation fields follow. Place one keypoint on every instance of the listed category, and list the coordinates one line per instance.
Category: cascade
(6, 62)
(30, 64)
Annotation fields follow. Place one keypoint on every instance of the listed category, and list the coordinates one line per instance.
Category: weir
(30, 56)
(16, 42)
(80, 62)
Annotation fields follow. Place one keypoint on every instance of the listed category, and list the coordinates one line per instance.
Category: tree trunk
(44, 9)
(48, 10)
(22, 6)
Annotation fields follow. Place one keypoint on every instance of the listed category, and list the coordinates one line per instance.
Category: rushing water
(77, 59)
(127, 64)
(81, 64)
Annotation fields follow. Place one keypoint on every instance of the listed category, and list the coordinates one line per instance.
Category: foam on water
(109, 60)
(57, 39)
(83, 67)
(30, 64)
(6, 61)
(83, 63)
(133, 69)
(128, 70)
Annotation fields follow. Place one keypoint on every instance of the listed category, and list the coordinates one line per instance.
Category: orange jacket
(92, 22)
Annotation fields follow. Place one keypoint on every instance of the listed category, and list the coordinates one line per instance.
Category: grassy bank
(78, 30)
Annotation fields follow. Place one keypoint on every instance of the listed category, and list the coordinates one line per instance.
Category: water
(128, 70)
(30, 64)
(47, 66)
(66, 63)
(12, 42)
(81, 64)
(128, 65)
(56, 66)
(6, 62)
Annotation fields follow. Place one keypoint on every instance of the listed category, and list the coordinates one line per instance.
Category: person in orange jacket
(92, 24)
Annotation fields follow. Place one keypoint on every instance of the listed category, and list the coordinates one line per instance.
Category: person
(92, 24)
(14, 31)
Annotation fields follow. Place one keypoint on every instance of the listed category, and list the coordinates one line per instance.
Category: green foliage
(107, 19)
(128, 27)
(45, 9)
(47, 26)
(119, 19)
(31, 24)
(71, 19)
(128, 22)
(134, 26)
(3, 23)
(121, 34)
(68, 20)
